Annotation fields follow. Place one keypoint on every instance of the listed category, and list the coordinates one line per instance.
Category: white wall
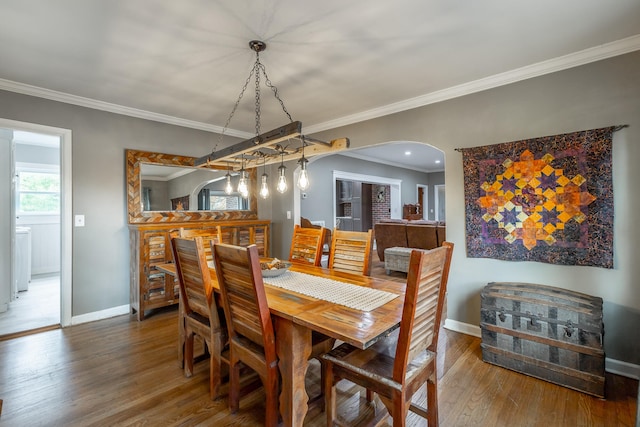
(6, 137)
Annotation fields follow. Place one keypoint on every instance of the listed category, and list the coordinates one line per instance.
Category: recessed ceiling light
(437, 161)
(407, 153)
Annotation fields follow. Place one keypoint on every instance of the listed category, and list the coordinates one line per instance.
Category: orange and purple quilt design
(546, 199)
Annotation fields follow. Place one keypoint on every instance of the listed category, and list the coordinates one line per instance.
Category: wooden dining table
(296, 316)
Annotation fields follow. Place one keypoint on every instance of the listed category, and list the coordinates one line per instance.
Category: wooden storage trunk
(549, 333)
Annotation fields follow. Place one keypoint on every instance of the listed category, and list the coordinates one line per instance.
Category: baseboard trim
(619, 367)
(613, 366)
(464, 328)
(100, 315)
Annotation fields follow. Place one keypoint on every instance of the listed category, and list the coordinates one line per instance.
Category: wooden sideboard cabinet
(150, 245)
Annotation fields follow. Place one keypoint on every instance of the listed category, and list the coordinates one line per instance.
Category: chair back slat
(306, 245)
(194, 278)
(423, 300)
(351, 251)
(243, 294)
(209, 235)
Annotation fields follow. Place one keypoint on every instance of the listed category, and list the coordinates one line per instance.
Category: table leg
(293, 345)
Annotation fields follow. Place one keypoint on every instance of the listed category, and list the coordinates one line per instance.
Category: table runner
(346, 294)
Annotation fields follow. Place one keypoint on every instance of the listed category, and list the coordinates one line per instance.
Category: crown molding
(619, 47)
(53, 95)
(608, 50)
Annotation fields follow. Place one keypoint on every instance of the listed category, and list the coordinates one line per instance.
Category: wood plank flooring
(120, 372)
(36, 308)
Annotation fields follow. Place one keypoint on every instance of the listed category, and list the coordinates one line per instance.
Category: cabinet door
(356, 206)
(346, 224)
(345, 189)
(157, 250)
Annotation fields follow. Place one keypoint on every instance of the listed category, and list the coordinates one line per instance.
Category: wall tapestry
(546, 199)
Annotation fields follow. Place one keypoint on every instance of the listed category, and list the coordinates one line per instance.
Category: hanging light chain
(258, 67)
(235, 107)
(268, 84)
(257, 73)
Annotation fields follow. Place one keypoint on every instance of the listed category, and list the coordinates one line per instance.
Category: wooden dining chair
(397, 366)
(351, 251)
(209, 235)
(306, 245)
(199, 313)
(251, 332)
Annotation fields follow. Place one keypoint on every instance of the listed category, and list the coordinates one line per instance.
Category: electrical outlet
(79, 220)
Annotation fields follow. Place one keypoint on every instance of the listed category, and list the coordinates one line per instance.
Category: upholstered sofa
(418, 234)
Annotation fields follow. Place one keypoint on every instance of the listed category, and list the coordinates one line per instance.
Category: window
(223, 202)
(38, 191)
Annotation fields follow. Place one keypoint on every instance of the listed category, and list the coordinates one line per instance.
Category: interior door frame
(395, 186)
(425, 199)
(438, 190)
(66, 240)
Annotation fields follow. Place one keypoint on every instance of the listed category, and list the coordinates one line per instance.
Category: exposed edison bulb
(303, 178)
(282, 180)
(243, 189)
(264, 187)
(228, 188)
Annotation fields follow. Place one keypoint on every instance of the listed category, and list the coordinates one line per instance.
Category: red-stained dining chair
(306, 245)
(394, 368)
(199, 312)
(351, 251)
(208, 236)
(251, 332)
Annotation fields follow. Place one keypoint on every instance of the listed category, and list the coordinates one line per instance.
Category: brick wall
(380, 210)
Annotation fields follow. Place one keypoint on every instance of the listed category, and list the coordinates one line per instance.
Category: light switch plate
(79, 221)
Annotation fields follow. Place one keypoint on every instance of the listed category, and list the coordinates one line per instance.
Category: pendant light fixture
(228, 188)
(243, 187)
(282, 179)
(268, 145)
(264, 186)
(303, 178)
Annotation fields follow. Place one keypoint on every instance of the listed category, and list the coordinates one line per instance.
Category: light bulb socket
(303, 162)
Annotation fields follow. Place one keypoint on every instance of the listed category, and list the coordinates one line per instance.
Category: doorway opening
(422, 200)
(38, 188)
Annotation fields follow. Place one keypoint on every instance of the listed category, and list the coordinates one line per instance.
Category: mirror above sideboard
(168, 188)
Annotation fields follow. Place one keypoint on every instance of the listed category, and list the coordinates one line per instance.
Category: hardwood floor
(37, 308)
(123, 372)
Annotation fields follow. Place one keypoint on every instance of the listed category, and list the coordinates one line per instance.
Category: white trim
(613, 366)
(586, 56)
(463, 328)
(436, 201)
(101, 315)
(114, 108)
(37, 167)
(395, 186)
(619, 367)
(66, 241)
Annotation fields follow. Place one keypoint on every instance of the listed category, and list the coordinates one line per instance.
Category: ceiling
(333, 62)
